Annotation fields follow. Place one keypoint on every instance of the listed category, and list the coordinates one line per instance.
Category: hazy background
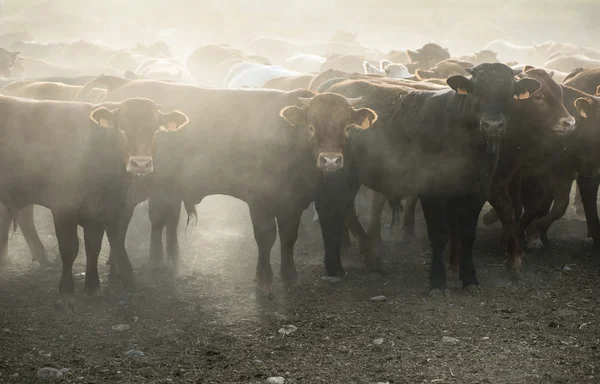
(462, 26)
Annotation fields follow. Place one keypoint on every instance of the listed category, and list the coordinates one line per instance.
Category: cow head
(7, 61)
(491, 89)
(329, 119)
(587, 134)
(428, 56)
(138, 121)
(544, 107)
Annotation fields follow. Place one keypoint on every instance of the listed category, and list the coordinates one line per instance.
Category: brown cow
(426, 57)
(78, 160)
(444, 70)
(585, 80)
(485, 56)
(245, 150)
(46, 90)
(289, 83)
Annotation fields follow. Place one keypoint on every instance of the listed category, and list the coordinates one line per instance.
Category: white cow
(508, 51)
(164, 69)
(387, 68)
(304, 62)
(256, 75)
(567, 63)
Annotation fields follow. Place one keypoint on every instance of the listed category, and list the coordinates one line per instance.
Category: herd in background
(511, 125)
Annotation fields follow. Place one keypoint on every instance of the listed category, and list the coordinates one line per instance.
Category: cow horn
(305, 100)
(469, 70)
(353, 101)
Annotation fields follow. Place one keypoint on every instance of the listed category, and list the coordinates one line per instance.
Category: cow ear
(412, 55)
(363, 117)
(583, 105)
(370, 68)
(384, 64)
(526, 87)
(103, 117)
(460, 84)
(173, 121)
(295, 116)
(527, 68)
(598, 91)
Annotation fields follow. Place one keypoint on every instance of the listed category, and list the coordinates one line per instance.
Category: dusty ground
(208, 327)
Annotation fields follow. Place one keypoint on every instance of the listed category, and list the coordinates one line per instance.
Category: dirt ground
(208, 327)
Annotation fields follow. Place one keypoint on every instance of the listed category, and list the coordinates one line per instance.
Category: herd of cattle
(90, 132)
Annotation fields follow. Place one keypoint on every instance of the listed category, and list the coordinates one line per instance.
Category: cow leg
(288, 234)
(468, 209)
(158, 211)
(120, 265)
(364, 242)
(5, 221)
(562, 192)
(27, 225)
(588, 189)
(578, 201)
(533, 238)
(504, 199)
(265, 233)
(434, 210)
(375, 211)
(172, 223)
(68, 246)
(408, 224)
(455, 245)
(93, 233)
(346, 243)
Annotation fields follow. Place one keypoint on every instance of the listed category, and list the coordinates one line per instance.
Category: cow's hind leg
(408, 223)
(375, 211)
(467, 212)
(172, 241)
(120, 265)
(265, 233)
(68, 246)
(93, 233)
(434, 210)
(288, 233)
(27, 225)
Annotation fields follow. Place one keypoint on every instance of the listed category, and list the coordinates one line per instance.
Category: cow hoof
(473, 289)
(535, 243)
(263, 291)
(515, 270)
(453, 272)
(65, 304)
(439, 292)
(43, 261)
(374, 264)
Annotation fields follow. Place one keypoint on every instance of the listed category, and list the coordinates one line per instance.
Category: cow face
(544, 107)
(7, 61)
(138, 121)
(492, 88)
(328, 119)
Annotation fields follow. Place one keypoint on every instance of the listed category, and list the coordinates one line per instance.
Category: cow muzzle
(330, 161)
(140, 165)
(565, 125)
(494, 130)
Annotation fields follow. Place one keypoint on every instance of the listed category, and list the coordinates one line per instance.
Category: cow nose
(330, 161)
(140, 165)
(493, 127)
(566, 124)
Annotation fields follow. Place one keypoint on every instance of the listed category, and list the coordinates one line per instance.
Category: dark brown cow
(244, 149)
(585, 80)
(45, 90)
(289, 83)
(444, 70)
(77, 160)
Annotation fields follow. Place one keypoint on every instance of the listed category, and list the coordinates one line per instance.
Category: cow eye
(538, 98)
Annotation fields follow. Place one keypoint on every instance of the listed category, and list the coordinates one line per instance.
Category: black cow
(439, 145)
